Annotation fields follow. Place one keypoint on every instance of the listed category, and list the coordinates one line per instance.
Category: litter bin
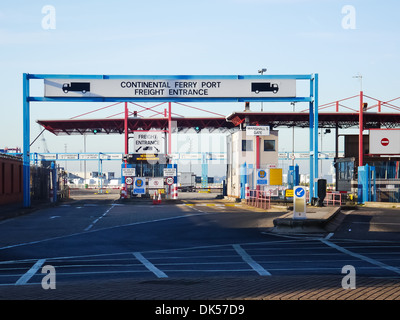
(321, 192)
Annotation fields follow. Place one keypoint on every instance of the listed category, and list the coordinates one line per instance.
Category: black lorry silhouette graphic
(258, 87)
(76, 87)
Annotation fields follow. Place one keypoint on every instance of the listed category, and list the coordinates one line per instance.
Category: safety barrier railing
(333, 199)
(259, 199)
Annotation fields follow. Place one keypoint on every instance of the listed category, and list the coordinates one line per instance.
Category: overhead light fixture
(262, 70)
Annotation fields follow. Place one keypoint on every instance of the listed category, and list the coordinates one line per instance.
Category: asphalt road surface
(98, 237)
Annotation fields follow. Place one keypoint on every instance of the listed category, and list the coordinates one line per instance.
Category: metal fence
(333, 199)
(259, 199)
(40, 183)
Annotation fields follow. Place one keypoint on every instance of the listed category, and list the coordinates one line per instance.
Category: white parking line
(96, 220)
(149, 265)
(360, 256)
(30, 273)
(249, 260)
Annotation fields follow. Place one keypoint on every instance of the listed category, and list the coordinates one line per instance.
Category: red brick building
(10, 179)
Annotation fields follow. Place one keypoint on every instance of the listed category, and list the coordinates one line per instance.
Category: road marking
(107, 228)
(30, 273)
(329, 236)
(96, 220)
(249, 260)
(210, 204)
(149, 265)
(360, 256)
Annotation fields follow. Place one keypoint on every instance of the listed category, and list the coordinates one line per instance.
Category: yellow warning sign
(289, 193)
(275, 176)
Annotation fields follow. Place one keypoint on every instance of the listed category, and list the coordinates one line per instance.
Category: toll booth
(366, 184)
(293, 176)
(149, 167)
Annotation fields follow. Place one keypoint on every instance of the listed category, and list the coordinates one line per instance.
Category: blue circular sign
(139, 183)
(300, 192)
(262, 174)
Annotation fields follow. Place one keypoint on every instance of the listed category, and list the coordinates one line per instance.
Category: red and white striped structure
(124, 193)
(174, 191)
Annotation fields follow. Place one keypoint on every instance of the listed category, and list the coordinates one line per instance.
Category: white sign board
(68, 157)
(299, 203)
(169, 172)
(190, 156)
(148, 142)
(272, 191)
(111, 156)
(156, 183)
(128, 172)
(89, 156)
(384, 141)
(47, 156)
(257, 130)
(170, 88)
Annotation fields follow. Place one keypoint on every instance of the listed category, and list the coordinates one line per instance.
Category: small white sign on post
(299, 203)
(128, 172)
(257, 130)
(169, 172)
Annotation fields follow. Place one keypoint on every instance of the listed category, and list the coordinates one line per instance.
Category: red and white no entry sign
(385, 142)
(129, 180)
(170, 181)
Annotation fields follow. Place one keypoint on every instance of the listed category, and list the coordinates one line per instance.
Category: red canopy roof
(231, 122)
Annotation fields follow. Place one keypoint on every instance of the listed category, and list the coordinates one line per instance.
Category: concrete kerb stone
(317, 219)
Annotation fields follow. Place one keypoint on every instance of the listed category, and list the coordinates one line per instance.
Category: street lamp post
(261, 71)
(293, 105)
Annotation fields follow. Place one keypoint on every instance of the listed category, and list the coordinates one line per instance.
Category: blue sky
(194, 37)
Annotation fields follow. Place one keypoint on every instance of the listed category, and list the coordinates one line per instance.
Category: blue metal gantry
(312, 99)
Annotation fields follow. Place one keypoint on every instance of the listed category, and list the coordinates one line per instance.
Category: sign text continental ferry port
(179, 87)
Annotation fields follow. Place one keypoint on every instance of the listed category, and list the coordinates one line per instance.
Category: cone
(155, 198)
(159, 198)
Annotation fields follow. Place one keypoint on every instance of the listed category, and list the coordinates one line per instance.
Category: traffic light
(96, 131)
(197, 129)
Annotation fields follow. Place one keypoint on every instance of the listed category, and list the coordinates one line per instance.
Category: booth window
(269, 145)
(247, 145)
